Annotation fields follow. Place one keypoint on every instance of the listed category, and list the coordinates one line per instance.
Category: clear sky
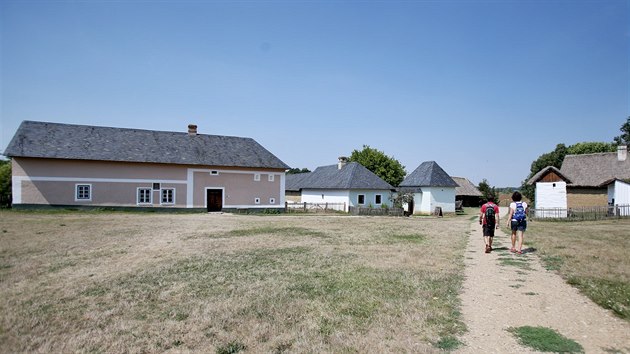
(481, 87)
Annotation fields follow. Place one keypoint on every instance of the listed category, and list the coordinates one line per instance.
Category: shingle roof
(352, 176)
(465, 187)
(82, 142)
(294, 181)
(593, 170)
(428, 174)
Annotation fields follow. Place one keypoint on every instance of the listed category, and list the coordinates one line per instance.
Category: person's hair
(491, 199)
(516, 196)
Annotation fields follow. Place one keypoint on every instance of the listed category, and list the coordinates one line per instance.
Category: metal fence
(581, 213)
(291, 207)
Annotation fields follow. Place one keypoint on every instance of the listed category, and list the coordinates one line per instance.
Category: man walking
(489, 219)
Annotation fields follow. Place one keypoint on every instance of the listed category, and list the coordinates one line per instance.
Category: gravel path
(498, 295)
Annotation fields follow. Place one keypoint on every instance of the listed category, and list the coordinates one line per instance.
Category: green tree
(624, 138)
(487, 191)
(5, 183)
(590, 148)
(387, 168)
(296, 170)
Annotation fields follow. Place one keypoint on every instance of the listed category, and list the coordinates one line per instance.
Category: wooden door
(214, 199)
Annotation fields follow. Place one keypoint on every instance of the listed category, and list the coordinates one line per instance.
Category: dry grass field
(590, 255)
(133, 282)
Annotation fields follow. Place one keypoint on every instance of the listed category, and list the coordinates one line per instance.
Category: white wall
(432, 197)
(620, 191)
(370, 198)
(326, 196)
(551, 195)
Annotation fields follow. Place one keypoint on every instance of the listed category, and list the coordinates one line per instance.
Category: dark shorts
(519, 225)
(488, 230)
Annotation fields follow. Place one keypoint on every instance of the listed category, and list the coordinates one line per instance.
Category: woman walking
(517, 221)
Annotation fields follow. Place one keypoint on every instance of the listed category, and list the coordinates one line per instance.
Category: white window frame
(256, 177)
(379, 196)
(272, 200)
(162, 202)
(150, 190)
(214, 173)
(271, 178)
(257, 200)
(76, 192)
(359, 199)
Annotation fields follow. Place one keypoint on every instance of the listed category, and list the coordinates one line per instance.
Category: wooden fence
(377, 211)
(581, 213)
(291, 207)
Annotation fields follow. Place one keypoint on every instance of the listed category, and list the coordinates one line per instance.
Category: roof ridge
(129, 129)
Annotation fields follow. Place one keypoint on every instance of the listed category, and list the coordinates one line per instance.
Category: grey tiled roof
(352, 176)
(428, 174)
(465, 187)
(82, 142)
(593, 170)
(294, 181)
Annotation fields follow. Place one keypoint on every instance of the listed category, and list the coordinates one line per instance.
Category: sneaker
(488, 249)
(513, 250)
(519, 252)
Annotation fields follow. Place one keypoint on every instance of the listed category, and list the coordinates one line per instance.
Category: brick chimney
(342, 162)
(622, 152)
(192, 129)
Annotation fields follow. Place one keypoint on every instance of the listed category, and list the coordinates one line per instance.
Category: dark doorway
(214, 199)
(410, 206)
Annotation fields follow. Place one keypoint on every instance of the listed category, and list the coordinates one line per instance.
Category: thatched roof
(594, 170)
(466, 188)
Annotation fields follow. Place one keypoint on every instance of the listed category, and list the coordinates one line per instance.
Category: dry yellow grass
(591, 255)
(127, 282)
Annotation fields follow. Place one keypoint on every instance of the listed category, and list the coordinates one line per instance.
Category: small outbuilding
(349, 184)
(466, 192)
(432, 188)
(551, 193)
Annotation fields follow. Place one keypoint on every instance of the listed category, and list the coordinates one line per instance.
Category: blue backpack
(519, 213)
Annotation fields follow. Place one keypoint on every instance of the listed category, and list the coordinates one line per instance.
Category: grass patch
(272, 230)
(409, 238)
(609, 294)
(231, 348)
(448, 343)
(590, 255)
(514, 262)
(545, 340)
(115, 282)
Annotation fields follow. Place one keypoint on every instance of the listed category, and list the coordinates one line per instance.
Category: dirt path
(499, 294)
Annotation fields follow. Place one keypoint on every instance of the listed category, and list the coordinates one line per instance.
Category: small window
(361, 199)
(271, 178)
(272, 200)
(256, 176)
(168, 196)
(144, 195)
(83, 192)
(256, 200)
(378, 199)
(156, 186)
(214, 173)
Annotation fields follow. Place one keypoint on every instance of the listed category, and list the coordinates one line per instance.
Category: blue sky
(481, 87)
